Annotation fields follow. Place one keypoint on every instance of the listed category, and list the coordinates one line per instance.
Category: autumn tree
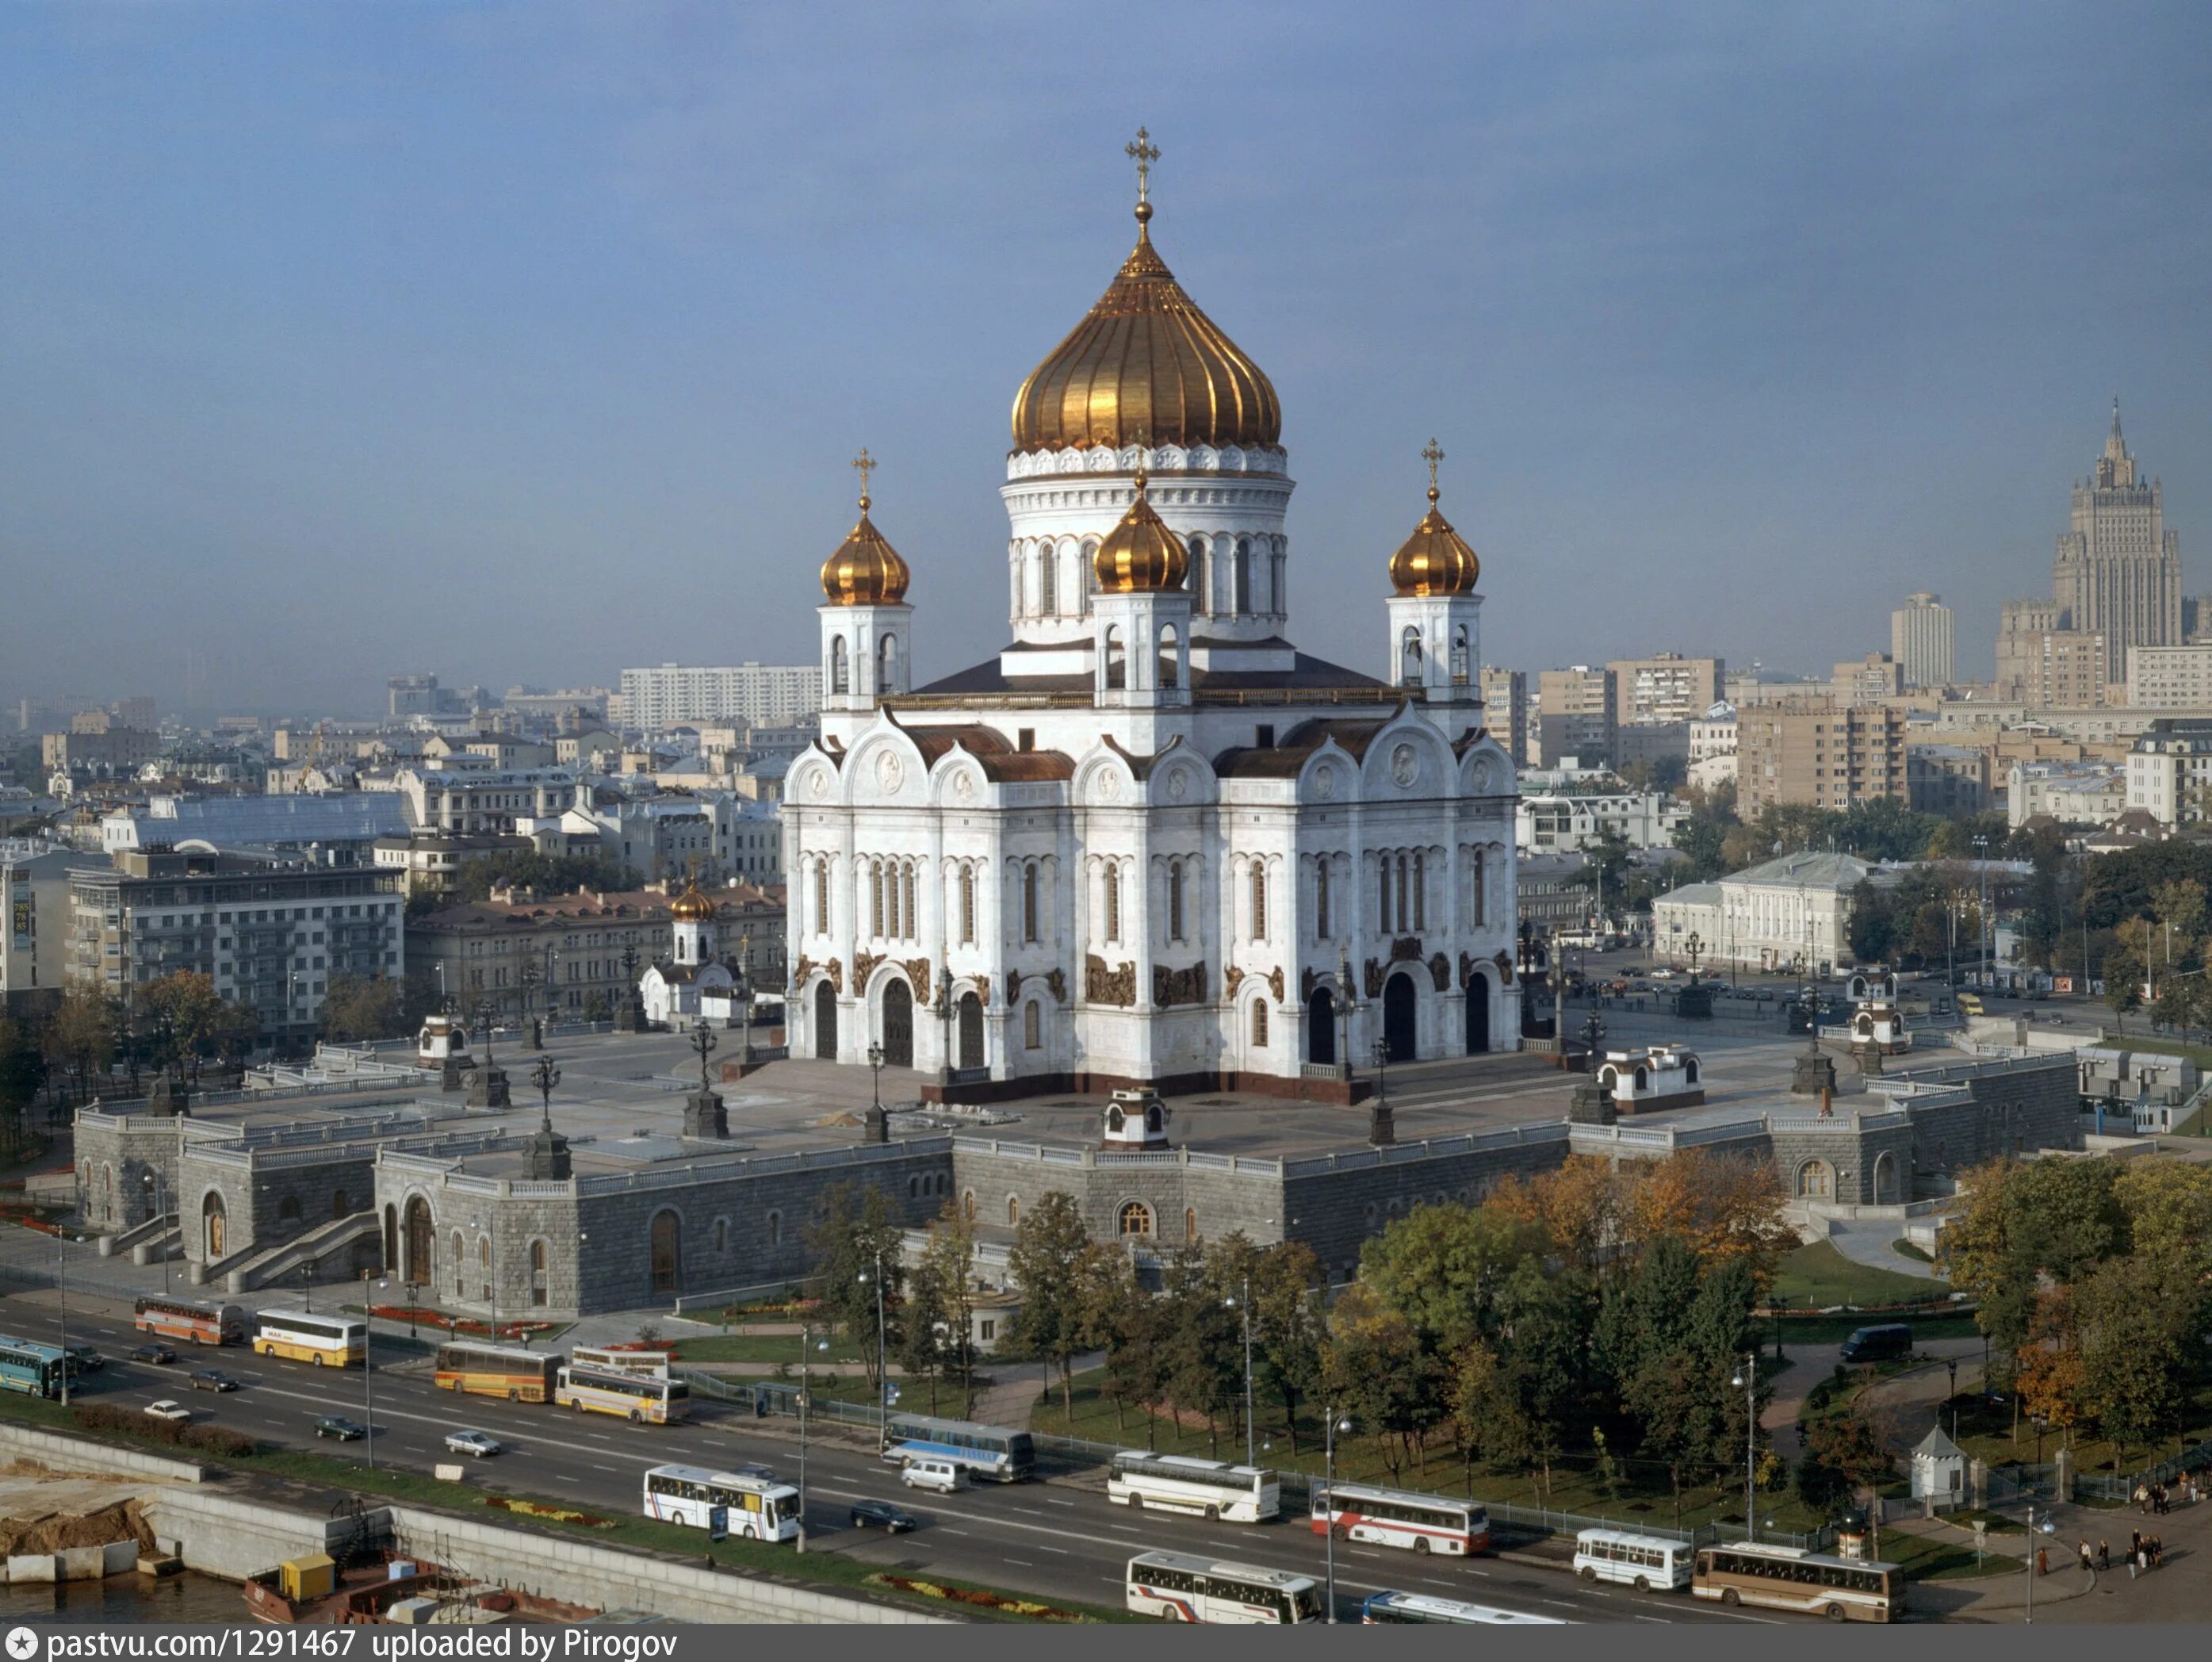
(364, 1007)
(80, 1036)
(1722, 1206)
(858, 1239)
(2168, 1209)
(184, 1012)
(2048, 1372)
(1375, 1369)
(2141, 1327)
(1045, 1261)
(1201, 1334)
(1576, 1207)
(1441, 1267)
(1485, 1411)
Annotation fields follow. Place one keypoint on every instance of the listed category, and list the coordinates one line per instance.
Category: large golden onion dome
(1146, 367)
(866, 571)
(1436, 559)
(692, 907)
(1140, 556)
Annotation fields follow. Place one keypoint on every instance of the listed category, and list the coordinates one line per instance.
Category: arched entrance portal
(1478, 1014)
(211, 1226)
(1320, 1028)
(1885, 1180)
(825, 1022)
(898, 1024)
(1398, 1018)
(668, 1258)
(421, 1242)
(971, 1030)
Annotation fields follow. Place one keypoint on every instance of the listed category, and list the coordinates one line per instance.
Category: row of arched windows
(1238, 575)
(1402, 876)
(1411, 651)
(840, 669)
(892, 915)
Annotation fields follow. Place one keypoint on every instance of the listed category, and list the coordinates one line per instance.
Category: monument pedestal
(877, 1125)
(489, 1089)
(169, 1099)
(1381, 1125)
(1814, 1075)
(454, 1076)
(705, 1116)
(1591, 1104)
(1694, 1004)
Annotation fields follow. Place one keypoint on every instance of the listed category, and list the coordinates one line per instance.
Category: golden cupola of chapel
(1140, 556)
(1436, 559)
(866, 571)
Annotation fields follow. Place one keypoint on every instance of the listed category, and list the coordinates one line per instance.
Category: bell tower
(866, 625)
(1436, 616)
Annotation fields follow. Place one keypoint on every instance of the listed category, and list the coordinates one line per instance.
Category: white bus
(1642, 1561)
(1395, 1517)
(1179, 1482)
(640, 1398)
(1790, 1579)
(1397, 1607)
(326, 1341)
(1176, 1586)
(607, 1360)
(992, 1452)
(754, 1509)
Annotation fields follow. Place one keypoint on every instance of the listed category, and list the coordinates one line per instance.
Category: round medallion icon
(22, 1644)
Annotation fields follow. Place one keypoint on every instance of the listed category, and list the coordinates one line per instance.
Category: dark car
(882, 1514)
(212, 1378)
(160, 1354)
(1875, 1344)
(338, 1426)
(754, 1468)
(83, 1359)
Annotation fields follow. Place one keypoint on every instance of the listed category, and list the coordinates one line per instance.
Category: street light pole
(1329, 1429)
(806, 1348)
(61, 1283)
(1244, 1302)
(1747, 1377)
(876, 1076)
(368, 1368)
(882, 1361)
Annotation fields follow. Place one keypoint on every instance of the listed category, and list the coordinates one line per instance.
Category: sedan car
(86, 1359)
(212, 1378)
(160, 1354)
(884, 1515)
(478, 1443)
(338, 1426)
(166, 1410)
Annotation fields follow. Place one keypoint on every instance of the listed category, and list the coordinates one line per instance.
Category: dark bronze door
(1320, 1028)
(898, 1025)
(971, 1030)
(825, 1022)
(1398, 1017)
(1478, 1014)
(668, 1259)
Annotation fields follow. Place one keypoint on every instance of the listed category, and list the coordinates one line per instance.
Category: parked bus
(1394, 1518)
(1178, 1483)
(602, 1360)
(1642, 1561)
(326, 1341)
(640, 1398)
(195, 1324)
(992, 1452)
(32, 1369)
(483, 1370)
(1790, 1579)
(1391, 1607)
(754, 1509)
(1178, 1587)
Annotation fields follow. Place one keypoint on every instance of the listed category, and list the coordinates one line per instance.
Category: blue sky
(521, 342)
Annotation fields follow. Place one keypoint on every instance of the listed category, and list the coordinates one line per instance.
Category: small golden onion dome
(692, 907)
(1435, 559)
(1140, 556)
(1146, 367)
(866, 571)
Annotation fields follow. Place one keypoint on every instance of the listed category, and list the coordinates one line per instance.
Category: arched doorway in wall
(825, 1022)
(1885, 1180)
(898, 1023)
(1320, 1028)
(1398, 1017)
(1478, 1014)
(391, 1239)
(211, 1221)
(668, 1254)
(971, 1030)
(421, 1242)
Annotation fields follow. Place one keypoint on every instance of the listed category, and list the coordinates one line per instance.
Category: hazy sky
(522, 341)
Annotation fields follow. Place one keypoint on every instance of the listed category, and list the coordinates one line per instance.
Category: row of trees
(2094, 1283)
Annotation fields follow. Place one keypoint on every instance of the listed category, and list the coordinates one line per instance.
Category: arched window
(1462, 667)
(1478, 869)
(1117, 670)
(907, 914)
(1190, 1224)
(841, 674)
(721, 1234)
(968, 1204)
(1032, 1026)
(1048, 579)
(1320, 899)
(1259, 901)
(775, 1229)
(1241, 576)
(914, 1188)
(1029, 903)
(1278, 598)
(460, 1265)
(1260, 1024)
(1170, 657)
(1195, 579)
(1815, 1181)
(1402, 874)
(887, 664)
(1175, 899)
(1420, 894)
(537, 1273)
(1135, 1218)
(875, 898)
(288, 1209)
(968, 905)
(1013, 1210)
(821, 897)
(341, 1204)
(1113, 902)
(1382, 892)
(484, 1253)
(1409, 657)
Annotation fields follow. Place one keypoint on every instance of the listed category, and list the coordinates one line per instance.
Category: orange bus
(195, 1324)
(483, 1370)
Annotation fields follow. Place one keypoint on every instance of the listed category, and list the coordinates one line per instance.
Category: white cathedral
(1151, 842)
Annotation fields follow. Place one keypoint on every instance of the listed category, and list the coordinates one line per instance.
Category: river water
(125, 1598)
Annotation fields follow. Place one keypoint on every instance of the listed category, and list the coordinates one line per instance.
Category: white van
(942, 1475)
(1643, 1562)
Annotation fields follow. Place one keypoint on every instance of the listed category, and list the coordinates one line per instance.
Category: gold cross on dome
(1432, 452)
(1144, 153)
(864, 464)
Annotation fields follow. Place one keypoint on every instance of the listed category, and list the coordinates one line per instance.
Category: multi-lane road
(1057, 1539)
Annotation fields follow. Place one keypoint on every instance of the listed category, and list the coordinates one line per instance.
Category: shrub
(219, 1439)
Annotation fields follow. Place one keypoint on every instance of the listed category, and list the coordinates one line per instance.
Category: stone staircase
(264, 1266)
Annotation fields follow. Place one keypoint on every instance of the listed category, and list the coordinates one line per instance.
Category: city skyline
(362, 342)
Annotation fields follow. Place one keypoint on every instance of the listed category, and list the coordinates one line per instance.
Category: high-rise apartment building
(2041, 664)
(2171, 676)
(1920, 640)
(675, 694)
(1867, 680)
(2119, 569)
(1574, 715)
(1812, 751)
(1505, 711)
(1666, 688)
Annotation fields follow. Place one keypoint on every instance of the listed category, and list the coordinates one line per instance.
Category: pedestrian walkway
(1872, 1242)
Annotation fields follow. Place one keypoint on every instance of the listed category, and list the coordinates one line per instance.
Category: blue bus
(1408, 1607)
(32, 1368)
(991, 1451)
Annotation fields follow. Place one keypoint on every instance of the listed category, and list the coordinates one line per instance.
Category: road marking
(616, 1470)
(1663, 1620)
(1051, 1502)
(953, 1531)
(1023, 1562)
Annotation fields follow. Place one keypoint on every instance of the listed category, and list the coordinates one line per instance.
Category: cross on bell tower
(1144, 153)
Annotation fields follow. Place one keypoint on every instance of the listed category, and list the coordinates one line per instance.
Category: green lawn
(1925, 1558)
(1817, 1276)
(1913, 1250)
(755, 1558)
(759, 1347)
(1834, 1330)
(1985, 1430)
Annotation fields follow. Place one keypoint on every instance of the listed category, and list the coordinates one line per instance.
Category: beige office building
(1666, 688)
(1813, 751)
(1505, 711)
(1574, 715)
(2170, 677)
(1920, 640)
(1865, 680)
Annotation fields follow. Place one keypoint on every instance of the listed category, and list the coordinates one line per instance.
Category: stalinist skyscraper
(2118, 570)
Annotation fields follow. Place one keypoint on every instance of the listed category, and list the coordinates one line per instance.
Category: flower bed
(980, 1598)
(556, 1514)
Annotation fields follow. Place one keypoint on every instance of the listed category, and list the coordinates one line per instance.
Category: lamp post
(876, 1076)
(153, 1183)
(61, 1285)
(1981, 932)
(368, 1368)
(1747, 1377)
(1347, 1006)
(545, 1076)
(1243, 1303)
(882, 1361)
(807, 1347)
(1330, 1428)
(1952, 1364)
